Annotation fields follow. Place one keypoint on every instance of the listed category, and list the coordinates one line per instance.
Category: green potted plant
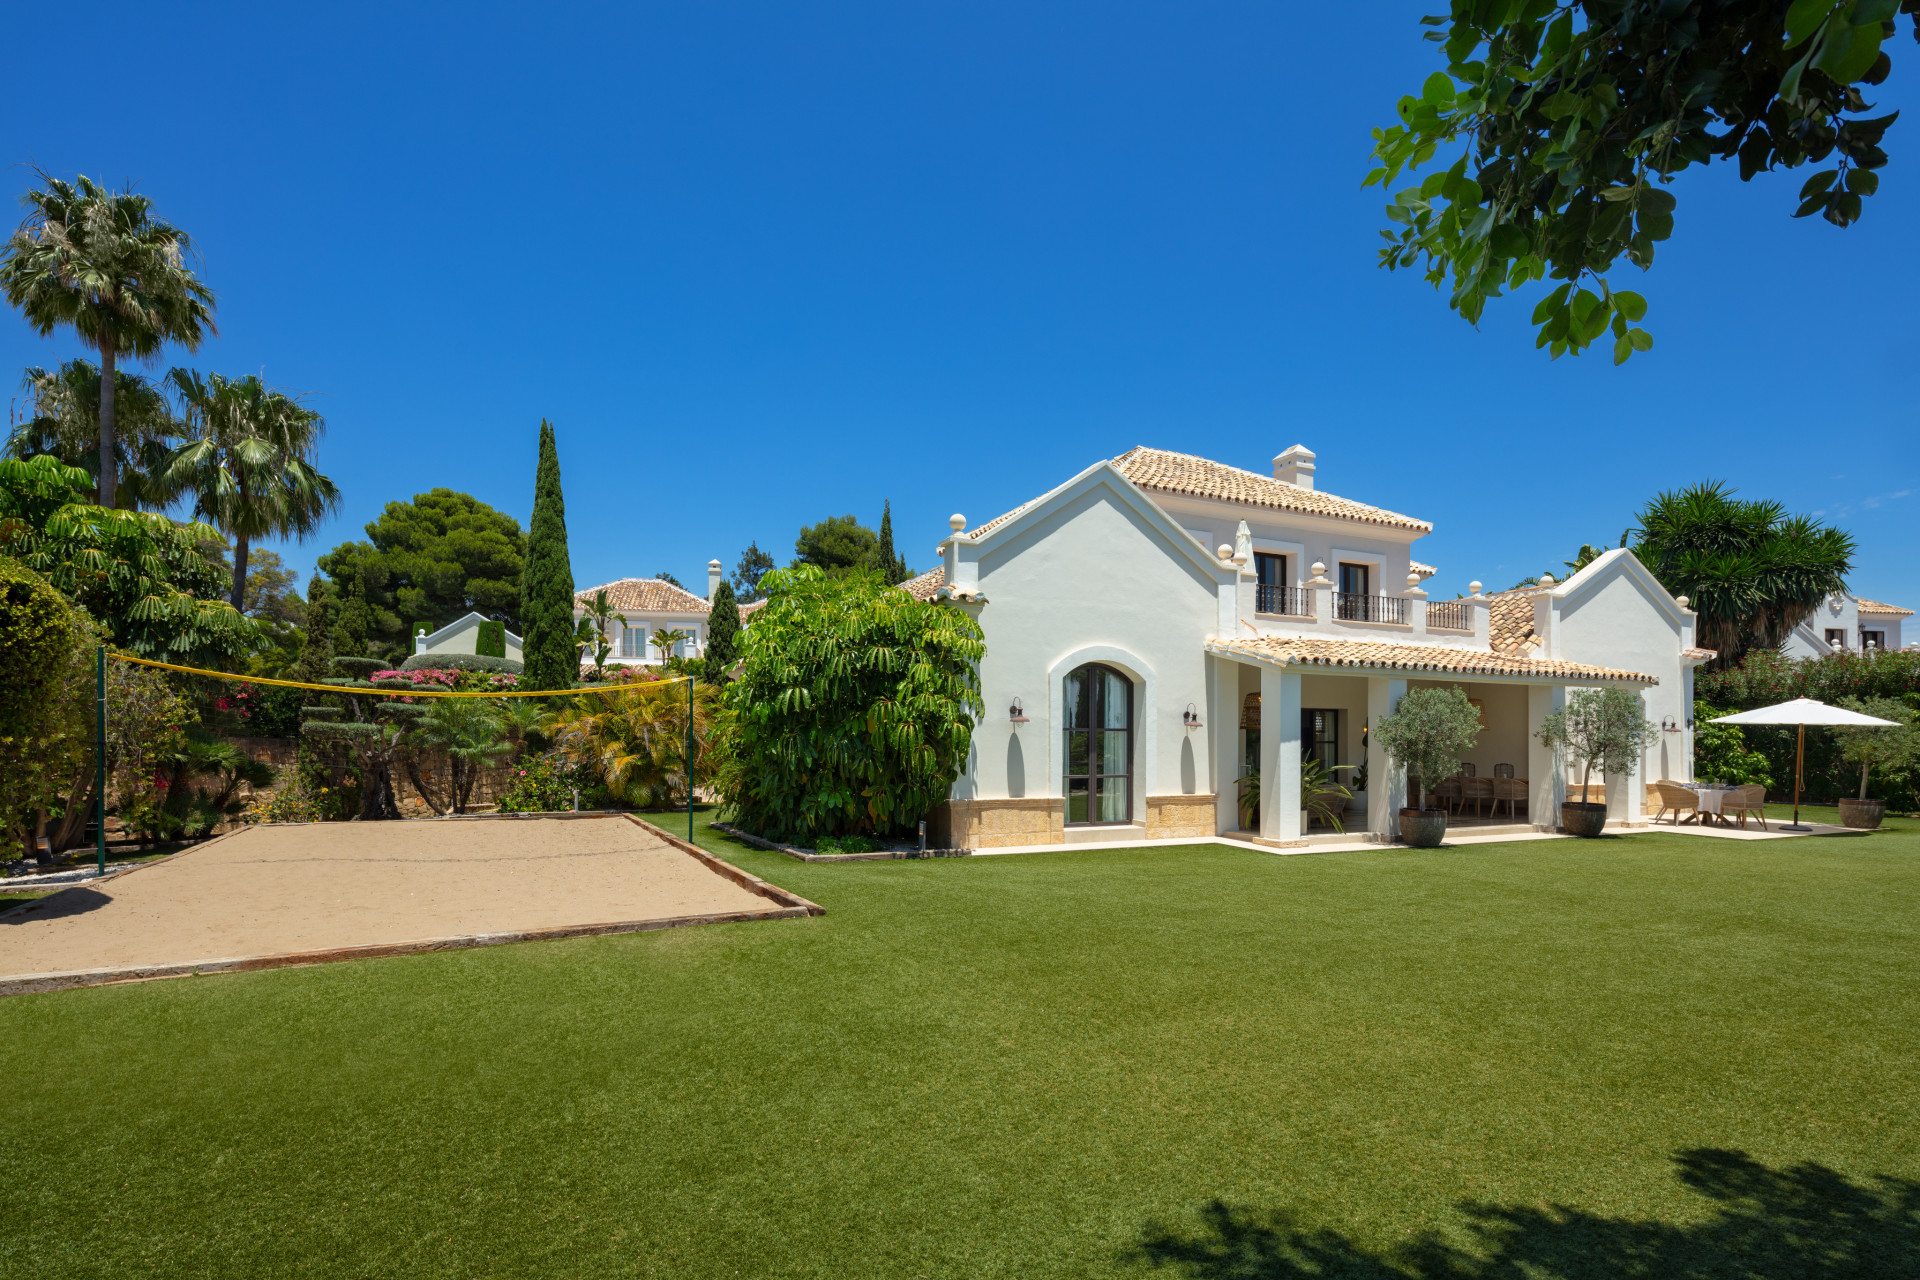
(1599, 727)
(1428, 735)
(1320, 796)
(1883, 749)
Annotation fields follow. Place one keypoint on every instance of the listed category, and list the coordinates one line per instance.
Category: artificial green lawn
(1037, 1065)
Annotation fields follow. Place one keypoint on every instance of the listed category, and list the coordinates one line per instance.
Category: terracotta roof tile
(1510, 622)
(923, 587)
(1700, 655)
(645, 595)
(1890, 610)
(1171, 472)
(1379, 655)
(1424, 570)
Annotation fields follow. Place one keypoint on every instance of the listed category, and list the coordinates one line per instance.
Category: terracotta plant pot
(1578, 819)
(1423, 828)
(1862, 814)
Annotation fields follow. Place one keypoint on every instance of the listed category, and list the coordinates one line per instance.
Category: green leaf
(1617, 193)
(1804, 18)
(1641, 339)
(1790, 83)
(1622, 348)
(1654, 200)
(1818, 183)
(1551, 303)
(1583, 304)
(1509, 241)
(1849, 50)
(1374, 176)
(1630, 304)
(1863, 181)
(1865, 11)
(1438, 89)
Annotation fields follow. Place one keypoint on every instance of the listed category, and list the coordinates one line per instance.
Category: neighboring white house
(461, 636)
(1161, 624)
(648, 605)
(1845, 621)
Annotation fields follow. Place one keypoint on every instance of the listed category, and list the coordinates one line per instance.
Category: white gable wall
(1622, 619)
(1091, 579)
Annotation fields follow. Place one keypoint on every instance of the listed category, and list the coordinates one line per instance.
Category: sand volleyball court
(314, 892)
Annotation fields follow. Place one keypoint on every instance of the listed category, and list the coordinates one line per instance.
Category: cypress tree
(723, 633)
(891, 566)
(316, 657)
(552, 659)
(355, 619)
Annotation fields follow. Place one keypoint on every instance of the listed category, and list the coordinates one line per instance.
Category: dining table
(1711, 799)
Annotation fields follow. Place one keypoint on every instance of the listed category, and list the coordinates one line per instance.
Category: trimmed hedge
(457, 662)
(492, 640)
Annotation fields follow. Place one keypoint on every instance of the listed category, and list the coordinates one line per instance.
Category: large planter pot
(1578, 819)
(1863, 814)
(1423, 828)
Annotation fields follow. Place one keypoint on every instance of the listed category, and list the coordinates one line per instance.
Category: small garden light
(1016, 713)
(1191, 717)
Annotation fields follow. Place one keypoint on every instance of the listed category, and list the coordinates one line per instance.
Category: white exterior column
(1480, 611)
(1627, 792)
(1416, 600)
(1224, 720)
(1280, 754)
(1322, 588)
(1386, 785)
(1546, 776)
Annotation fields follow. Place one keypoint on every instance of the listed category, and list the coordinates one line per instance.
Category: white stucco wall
(1301, 538)
(1617, 618)
(461, 636)
(1091, 579)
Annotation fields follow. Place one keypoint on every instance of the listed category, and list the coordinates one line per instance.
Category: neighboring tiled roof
(1183, 473)
(1379, 655)
(923, 587)
(1891, 610)
(748, 610)
(1700, 655)
(1510, 622)
(645, 595)
(1424, 570)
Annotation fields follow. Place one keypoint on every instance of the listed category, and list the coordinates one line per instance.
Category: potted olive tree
(1427, 735)
(1600, 728)
(1871, 749)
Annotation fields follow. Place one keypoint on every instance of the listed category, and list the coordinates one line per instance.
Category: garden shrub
(1720, 751)
(854, 708)
(40, 642)
(491, 642)
(458, 662)
(545, 784)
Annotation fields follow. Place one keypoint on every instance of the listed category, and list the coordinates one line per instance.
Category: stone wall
(997, 824)
(1169, 817)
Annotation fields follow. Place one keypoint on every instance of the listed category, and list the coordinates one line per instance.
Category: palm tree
(245, 462)
(99, 262)
(66, 425)
(637, 739)
(592, 630)
(1751, 571)
(665, 638)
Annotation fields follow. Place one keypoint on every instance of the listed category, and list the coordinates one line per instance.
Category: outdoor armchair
(1744, 801)
(1677, 800)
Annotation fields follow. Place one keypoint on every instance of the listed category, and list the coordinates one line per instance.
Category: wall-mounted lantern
(1190, 717)
(1016, 714)
(1669, 725)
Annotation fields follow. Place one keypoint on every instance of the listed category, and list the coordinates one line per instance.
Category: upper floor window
(1873, 639)
(633, 641)
(1271, 569)
(1354, 579)
(1836, 638)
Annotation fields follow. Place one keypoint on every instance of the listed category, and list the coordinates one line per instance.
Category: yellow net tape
(398, 693)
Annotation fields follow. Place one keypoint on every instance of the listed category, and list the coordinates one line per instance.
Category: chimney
(713, 578)
(1295, 467)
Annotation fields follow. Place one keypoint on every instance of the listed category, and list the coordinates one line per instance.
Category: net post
(100, 756)
(690, 683)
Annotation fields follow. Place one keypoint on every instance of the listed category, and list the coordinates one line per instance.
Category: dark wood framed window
(1270, 568)
(1873, 640)
(1836, 637)
(1353, 579)
(1320, 737)
(1098, 779)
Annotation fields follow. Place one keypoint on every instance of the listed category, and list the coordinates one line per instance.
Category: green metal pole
(690, 683)
(100, 755)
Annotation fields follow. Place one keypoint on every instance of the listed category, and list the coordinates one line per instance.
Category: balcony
(1289, 602)
(1359, 608)
(1448, 615)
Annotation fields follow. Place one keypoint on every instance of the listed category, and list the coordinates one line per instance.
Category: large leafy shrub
(548, 784)
(1720, 751)
(41, 744)
(854, 708)
(634, 738)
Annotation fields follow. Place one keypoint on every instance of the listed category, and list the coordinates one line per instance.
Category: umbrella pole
(1799, 767)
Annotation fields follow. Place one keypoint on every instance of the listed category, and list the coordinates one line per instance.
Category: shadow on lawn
(1803, 1222)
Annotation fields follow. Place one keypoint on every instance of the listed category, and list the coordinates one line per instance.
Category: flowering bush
(435, 679)
(546, 785)
(308, 794)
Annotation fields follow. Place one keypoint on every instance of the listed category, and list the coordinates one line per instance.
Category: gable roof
(923, 587)
(462, 621)
(1382, 656)
(1890, 610)
(1167, 472)
(645, 595)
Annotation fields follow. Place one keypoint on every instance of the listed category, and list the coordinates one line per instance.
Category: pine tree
(354, 621)
(316, 658)
(892, 566)
(723, 633)
(551, 655)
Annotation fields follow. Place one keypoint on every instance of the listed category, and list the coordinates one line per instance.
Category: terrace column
(1480, 613)
(1280, 754)
(1224, 718)
(1546, 776)
(1416, 605)
(1386, 785)
(1627, 792)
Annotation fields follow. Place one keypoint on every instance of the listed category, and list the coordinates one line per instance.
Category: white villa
(648, 605)
(1160, 625)
(461, 636)
(1844, 622)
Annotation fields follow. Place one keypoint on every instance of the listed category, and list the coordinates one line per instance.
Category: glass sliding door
(1098, 778)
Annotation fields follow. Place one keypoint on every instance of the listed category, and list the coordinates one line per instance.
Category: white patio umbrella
(1803, 712)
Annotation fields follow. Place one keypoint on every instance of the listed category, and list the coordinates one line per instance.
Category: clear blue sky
(762, 264)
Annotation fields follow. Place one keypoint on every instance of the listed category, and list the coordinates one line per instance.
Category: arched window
(1098, 780)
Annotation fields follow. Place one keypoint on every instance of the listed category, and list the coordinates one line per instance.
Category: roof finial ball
(956, 522)
(1682, 601)
(1547, 579)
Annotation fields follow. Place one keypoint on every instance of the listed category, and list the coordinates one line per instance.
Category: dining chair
(1676, 799)
(1466, 769)
(1503, 771)
(1744, 801)
(1447, 792)
(1508, 789)
(1476, 790)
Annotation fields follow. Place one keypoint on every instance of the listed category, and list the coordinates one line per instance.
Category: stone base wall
(1002, 824)
(1169, 817)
